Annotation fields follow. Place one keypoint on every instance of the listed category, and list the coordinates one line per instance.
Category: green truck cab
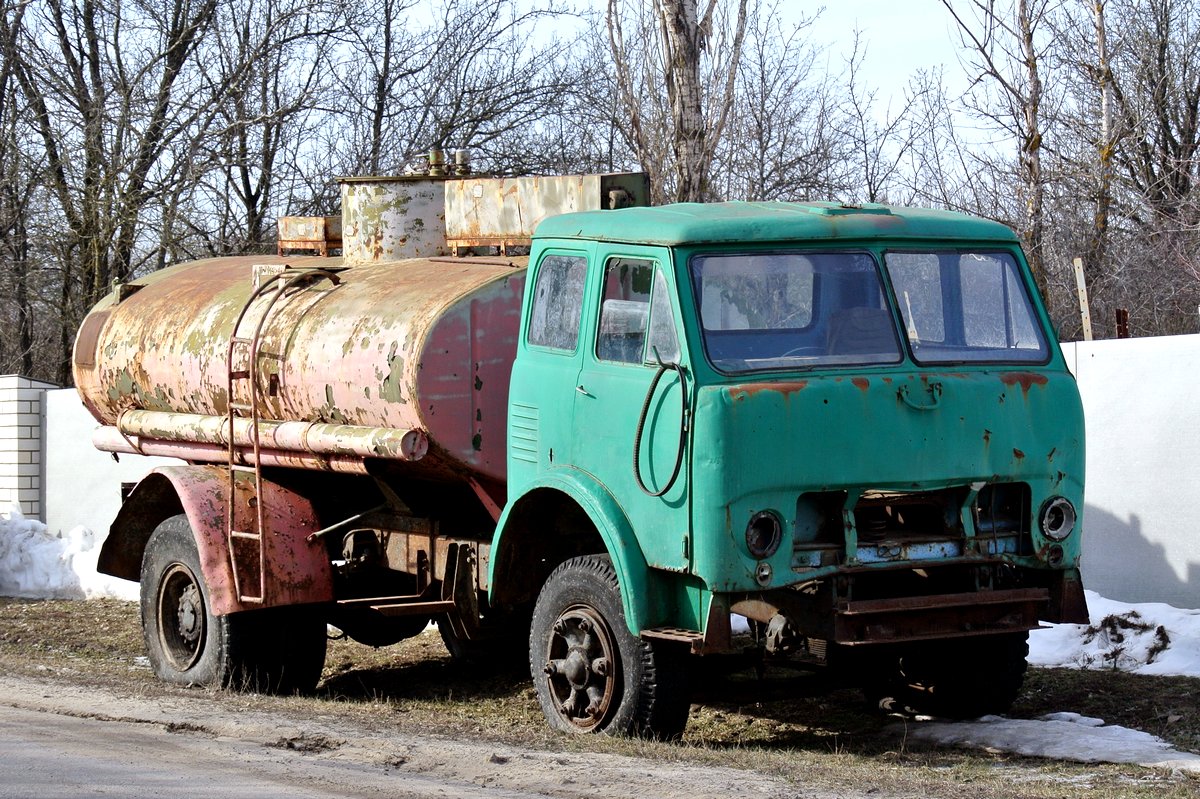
(851, 425)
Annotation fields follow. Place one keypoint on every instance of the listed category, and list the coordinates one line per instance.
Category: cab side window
(635, 300)
(557, 302)
(664, 343)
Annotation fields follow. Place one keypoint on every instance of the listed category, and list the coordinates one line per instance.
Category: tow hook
(781, 635)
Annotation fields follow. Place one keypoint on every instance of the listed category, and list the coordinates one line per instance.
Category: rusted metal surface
(309, 437)
(315, 234)
(108, 439)
(404, 349)
(503, 212)
(938, 616)
(1122, 316)
(389, 218)
(300, 571)
(424, 553)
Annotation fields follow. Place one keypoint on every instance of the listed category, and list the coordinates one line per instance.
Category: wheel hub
(580, 667)
(181, 617)
(190, 614)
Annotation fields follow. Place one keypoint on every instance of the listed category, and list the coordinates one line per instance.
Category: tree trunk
(1031, 149)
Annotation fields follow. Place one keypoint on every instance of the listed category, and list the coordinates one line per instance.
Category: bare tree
(1125, 193)
(584, 130)
(780, 142)
(468, 75)
(692, 55)
(1006, 55)
(16, 187)
(104, 109)
(942, 169)
(1156, 90)
(267, 67)
(877, 145)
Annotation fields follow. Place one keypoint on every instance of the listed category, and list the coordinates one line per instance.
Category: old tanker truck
(851, 425)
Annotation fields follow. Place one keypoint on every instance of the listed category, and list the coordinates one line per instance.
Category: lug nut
(560, 626)
(550, 668)
(600, 666)
(584, 626)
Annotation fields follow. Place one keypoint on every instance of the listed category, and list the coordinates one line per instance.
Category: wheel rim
(181, 617)
(582, 670)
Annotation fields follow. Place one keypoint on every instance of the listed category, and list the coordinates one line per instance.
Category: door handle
(934, 390)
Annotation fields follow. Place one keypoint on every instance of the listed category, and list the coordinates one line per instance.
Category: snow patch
(1147, 638)
(36, 564)
(1061, 736)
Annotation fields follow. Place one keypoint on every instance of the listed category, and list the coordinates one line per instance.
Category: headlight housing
(1057, 518)
(764, 533)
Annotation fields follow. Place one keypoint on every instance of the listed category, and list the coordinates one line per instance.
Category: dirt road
(62, 740)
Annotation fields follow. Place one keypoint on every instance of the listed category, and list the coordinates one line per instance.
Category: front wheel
(275, 650)
(590, 673)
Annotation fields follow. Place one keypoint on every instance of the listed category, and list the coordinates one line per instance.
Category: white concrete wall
(21, 443)
(1141, 525)
(83, 485)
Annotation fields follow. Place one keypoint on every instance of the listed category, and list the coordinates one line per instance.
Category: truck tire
(589, 672)
(276, 650)
(962, 678)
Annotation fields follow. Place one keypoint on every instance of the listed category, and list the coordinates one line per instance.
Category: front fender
(644, 605)
(296, 571)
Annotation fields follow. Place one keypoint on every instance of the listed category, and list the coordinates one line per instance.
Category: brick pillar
(21, 419)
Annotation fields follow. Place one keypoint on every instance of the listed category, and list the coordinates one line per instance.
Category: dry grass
(797, 725)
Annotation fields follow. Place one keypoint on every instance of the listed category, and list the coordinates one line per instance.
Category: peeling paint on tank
(392, 387)
(393, 308)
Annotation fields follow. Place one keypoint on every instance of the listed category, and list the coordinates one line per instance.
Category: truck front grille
(913, 525)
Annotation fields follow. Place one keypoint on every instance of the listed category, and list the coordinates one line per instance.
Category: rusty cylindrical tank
(407, 360)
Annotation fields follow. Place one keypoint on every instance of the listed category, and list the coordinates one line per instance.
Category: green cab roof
(732, 222)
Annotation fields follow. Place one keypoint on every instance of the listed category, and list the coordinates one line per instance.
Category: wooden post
(1084, 312)
(1122, 323)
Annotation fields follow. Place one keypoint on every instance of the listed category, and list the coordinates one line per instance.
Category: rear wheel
(590, 673)
(276, 650)
(961, 678)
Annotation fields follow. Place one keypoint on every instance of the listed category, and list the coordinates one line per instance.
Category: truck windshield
(965, 307)
(789, 310)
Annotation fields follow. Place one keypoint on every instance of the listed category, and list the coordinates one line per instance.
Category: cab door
(544, 376)
(632, 396)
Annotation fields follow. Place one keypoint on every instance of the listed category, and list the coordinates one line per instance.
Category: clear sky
(901, 36)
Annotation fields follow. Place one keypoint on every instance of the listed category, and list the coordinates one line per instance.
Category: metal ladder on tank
(245, 522)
